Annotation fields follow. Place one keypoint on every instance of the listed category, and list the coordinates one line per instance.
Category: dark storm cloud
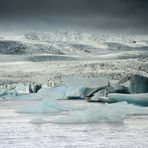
(72, 7)
(110, 13)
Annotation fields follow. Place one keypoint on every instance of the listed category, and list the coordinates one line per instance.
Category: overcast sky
(98, 14)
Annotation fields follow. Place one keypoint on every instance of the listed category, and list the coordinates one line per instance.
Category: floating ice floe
(3, 92)
(138, 99)
(115, 112)
(52, 93)
(7, 93)
(30, 96)
(75, 92)
(135, 84)
(46, 106)
(22, 88)
(80, 87)
(25, 88)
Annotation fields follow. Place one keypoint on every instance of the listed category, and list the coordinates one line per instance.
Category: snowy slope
(72, 43)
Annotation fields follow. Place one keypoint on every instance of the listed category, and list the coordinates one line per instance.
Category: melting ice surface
(52, 93)
(115, 112)
(92, 113)
(46, 106)
(4, 93)
(138, 99)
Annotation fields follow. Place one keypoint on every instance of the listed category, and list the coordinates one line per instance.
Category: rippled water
(16, 131)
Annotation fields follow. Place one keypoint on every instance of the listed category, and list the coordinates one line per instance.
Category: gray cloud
(110, 14)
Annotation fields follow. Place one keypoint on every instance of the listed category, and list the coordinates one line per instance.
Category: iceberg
(139, 84)
(115, 112)
(3, 92)
(30, 96)
(75, 92)
(138, 99)
(48, 103)
(46, 106)
(81, 87)
(98, 98)
(52, 93)
(103, 92)
(134, 84)
(22, 88)
(7, 93)
(44, 93)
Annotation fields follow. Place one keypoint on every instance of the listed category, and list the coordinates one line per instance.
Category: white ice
(22, 88)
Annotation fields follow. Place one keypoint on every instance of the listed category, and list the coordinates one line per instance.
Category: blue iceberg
(138, 99)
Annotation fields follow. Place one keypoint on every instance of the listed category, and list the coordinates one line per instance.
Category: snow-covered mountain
(69, 43)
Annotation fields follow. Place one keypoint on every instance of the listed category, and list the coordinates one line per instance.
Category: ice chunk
(7, 93)
(90, 91)
(101, 113)
(44, 93)
(128, 85)
(22, 88)
(139, 99)
(134, 84)
(3, 92)
(139, 84)
(52, 93)
(46, 106)
(73, 92)
(80, 87)
(102, 92)
(115, 112)
(99, 98)
(30, 96)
